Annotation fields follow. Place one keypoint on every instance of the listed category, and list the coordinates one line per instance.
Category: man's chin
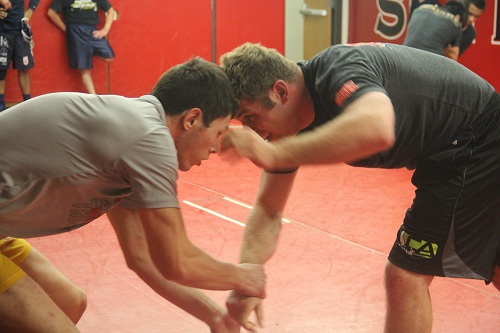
(187, 167)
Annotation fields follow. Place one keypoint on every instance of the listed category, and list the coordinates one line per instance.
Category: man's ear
(280, 90)
(191, 117)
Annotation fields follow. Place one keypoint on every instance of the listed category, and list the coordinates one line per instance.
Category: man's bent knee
(80, 305)
(397, 278)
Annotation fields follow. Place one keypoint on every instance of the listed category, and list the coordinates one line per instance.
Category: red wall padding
(256, 21)
(149, 37)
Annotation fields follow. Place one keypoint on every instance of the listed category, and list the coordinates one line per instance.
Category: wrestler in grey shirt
(96, 151)
(432, 29)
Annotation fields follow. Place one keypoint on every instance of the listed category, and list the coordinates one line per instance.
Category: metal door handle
(314, 12)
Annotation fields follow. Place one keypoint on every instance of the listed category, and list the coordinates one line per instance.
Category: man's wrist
(216, 323)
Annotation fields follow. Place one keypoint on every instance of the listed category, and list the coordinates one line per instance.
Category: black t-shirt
(468, 36)
(81, 11)
(434, 98)
(14, 15)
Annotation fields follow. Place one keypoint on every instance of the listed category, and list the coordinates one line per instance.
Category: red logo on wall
(345, 91)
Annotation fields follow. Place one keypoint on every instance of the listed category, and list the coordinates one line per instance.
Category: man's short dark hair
(480, 4)
(196, 83)
(457, 8)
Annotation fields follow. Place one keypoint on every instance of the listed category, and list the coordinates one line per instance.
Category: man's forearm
(131, 237)
(179, 260)
(200, 270)
(264, 221)
(110, 17)
(260, 236)
(56, 19)
(28, 13)
(191, 300)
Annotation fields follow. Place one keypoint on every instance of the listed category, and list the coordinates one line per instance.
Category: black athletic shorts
(14, 47)
(453, 226)
(82, 46)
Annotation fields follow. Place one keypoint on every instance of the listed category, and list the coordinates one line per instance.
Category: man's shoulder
(433, 13)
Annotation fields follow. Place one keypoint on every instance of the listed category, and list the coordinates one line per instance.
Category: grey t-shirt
(434, 98)
(67, 158)
(432, 29)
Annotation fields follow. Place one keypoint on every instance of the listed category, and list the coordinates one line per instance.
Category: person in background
(79, 21)
(84, 155)
(16, 47)
(475, 9)
(437, 29)
(375, 105)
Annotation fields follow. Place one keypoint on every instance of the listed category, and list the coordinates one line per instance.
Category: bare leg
(2, 86)
(26, 308)
(2, 91)
(409, 306)
(24, 80)
(67, 296)
(87, 80)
